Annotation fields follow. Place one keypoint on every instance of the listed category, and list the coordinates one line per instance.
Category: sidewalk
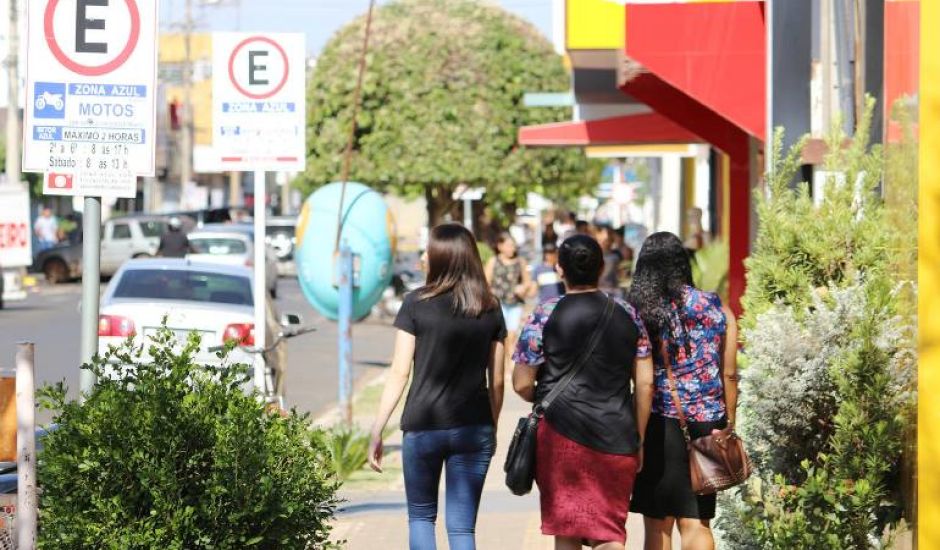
(374, 514)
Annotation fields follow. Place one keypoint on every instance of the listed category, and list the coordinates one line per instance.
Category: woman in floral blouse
(697, 335)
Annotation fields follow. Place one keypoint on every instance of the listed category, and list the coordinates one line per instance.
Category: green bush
(830, 357)
(349, 450)
(710, 269)
(486, 252)
(171, 454)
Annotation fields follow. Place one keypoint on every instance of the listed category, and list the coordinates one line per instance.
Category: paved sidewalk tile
(377, 519)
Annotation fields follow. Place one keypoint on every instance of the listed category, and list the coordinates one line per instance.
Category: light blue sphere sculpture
(368, 229)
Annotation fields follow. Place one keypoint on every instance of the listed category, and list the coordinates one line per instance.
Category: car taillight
(242, 333)
(115, 325)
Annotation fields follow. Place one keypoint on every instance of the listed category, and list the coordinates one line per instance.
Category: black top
(452, 355)
(173, 244)
(596, 409)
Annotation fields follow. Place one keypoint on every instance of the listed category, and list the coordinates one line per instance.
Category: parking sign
(90, 83)
(258, 103)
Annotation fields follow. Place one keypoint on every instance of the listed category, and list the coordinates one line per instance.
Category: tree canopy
(441, 106)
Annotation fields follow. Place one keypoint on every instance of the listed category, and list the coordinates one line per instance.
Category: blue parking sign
(49, 100)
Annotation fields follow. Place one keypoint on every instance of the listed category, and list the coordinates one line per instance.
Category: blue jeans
(465, 452)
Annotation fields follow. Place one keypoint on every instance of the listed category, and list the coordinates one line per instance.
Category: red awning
(713, 52)
(638, 129)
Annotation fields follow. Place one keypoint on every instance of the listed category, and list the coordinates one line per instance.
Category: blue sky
(319, 19)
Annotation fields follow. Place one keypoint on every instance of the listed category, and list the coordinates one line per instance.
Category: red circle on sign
(231, 67)
(91, 70)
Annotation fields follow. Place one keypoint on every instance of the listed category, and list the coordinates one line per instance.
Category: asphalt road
(50, 318)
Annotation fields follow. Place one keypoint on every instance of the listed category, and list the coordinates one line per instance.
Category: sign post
(259, 125)
(346, 282)
(260, 288)
(90, 116)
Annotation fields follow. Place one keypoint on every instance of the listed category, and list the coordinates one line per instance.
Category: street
(50, 319)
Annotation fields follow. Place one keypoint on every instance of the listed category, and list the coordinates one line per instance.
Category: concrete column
(670, 197)
(702, 188)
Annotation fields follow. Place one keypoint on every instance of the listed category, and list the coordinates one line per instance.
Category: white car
(213, 300)
(231, 244)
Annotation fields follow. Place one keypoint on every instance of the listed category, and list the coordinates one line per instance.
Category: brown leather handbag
(718, 460)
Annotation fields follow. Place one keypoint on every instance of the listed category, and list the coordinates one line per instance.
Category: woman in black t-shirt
(452, 329)
(589, 445)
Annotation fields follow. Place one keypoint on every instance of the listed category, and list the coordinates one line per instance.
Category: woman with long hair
(510, 282)
(589, 443)
(694, 342)
(452, 330)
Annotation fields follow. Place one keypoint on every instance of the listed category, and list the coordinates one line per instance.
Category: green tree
(441, 105)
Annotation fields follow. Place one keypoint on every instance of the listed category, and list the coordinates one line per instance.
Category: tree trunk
(439, 203)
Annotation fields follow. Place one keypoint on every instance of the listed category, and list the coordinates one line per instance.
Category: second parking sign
(90, 84)
(258, 120)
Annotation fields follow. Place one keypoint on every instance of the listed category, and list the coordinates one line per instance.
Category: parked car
(212, 299)
(280, 235)
(122, 238)
(231, 244)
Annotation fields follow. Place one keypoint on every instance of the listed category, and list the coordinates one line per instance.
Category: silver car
(231, 244)
(213, 300)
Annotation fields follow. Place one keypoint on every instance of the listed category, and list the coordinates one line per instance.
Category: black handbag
(520, 458)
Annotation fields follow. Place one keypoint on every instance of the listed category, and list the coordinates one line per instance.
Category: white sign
(258, 102)
(15, 230)
(90, 95)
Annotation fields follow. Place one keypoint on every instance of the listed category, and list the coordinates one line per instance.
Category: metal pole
(261, 288)
(13, 88)
(91, 281)
(468, 214)
(186, 144)
(846, 78)
(345, 331)
(26, 498)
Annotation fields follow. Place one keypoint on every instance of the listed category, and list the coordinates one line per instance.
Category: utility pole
(186, 143)
(13, 135)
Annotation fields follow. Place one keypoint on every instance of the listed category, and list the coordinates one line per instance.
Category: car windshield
(217, 245)
(152, 228)
(185, 285)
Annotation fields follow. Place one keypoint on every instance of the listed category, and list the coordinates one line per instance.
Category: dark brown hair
(454, 266)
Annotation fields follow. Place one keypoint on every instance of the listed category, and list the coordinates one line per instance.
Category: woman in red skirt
(590, 440)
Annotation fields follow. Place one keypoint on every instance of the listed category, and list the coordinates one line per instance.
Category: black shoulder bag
(520, 458)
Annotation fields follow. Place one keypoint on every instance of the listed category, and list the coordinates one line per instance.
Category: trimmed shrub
(170, 454)
(830, 356)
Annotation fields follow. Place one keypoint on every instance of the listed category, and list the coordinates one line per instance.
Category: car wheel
(55, 271)
(142, 255)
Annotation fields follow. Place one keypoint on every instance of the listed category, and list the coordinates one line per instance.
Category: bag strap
(582, 360)
(674, 390)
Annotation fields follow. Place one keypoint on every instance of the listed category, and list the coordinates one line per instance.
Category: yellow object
(725, 196)
(594, 25)
(29, 281)
(617, 151)
(172, 55)
(928, 387)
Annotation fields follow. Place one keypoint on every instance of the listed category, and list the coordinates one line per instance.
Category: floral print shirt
(529, 349)
(694, 340)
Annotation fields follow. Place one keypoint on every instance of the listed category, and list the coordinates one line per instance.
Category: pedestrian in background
(510, 282)
(46, 228)
(589, 443)
(565, 226)
(613, 257)
(173, 243)
(694, 340)
(452, 330)
(546, 276)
